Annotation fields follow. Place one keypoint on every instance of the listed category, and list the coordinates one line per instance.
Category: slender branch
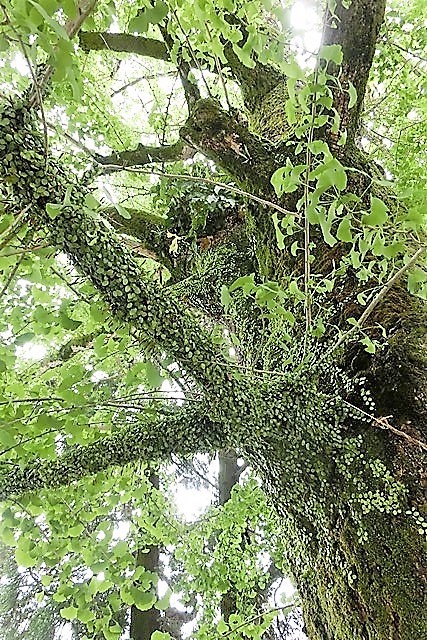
(221, 185)
(374, 303)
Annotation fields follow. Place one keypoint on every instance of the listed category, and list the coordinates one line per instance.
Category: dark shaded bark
(355, 29)
(228, 477)
(144, 623)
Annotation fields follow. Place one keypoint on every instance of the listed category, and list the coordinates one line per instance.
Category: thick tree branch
(220, 137)
(143, 155)
(184, 431)
(124, 43)
(100, 255)
(355, 29)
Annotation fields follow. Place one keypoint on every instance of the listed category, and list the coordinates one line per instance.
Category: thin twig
(383, 423)
(15, 226)
(11, 275)
(256, 617)
(183, 176)
(70, 286)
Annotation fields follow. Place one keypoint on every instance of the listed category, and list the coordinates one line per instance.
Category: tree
(262, 300)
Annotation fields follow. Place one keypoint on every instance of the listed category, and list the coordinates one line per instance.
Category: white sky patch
(62, 259)
(306, 24)
(121, 530)
(191, 503)
(31, 351)
(20, 64)
(304, 17)
(98, 375)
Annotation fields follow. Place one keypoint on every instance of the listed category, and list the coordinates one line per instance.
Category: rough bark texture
(348, 492)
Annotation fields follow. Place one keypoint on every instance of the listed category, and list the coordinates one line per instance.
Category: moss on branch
(143, 155)
(219, 136)
(123, 43)
(97, 252)
(183, 431)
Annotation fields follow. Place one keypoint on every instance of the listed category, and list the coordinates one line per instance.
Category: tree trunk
(144, 623)
(228, 477)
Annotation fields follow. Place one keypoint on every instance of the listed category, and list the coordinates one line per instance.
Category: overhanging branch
(143, 155)
(57, 202)
(184, 431)
(124, 43)
(255, 82)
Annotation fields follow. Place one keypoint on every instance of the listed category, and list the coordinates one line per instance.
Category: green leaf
(23, 339)
(293, 70)
(247, 283)
(152, 373)
(122, 211)
(85, 615)
(369, 345)
(158, 12)
(352, 95)
(143, 600)
(7, 439)
(4, 43)
(164, 602)
(279, 235)
(225, 297)
(222, 626)
(76, 531)
(378, 215)
(53, 24)
(332, 53)
(24, 559)
(160, 635)
(139, 24)
(112, 632)
(69, 613)
(53, 210)
(344, 231)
